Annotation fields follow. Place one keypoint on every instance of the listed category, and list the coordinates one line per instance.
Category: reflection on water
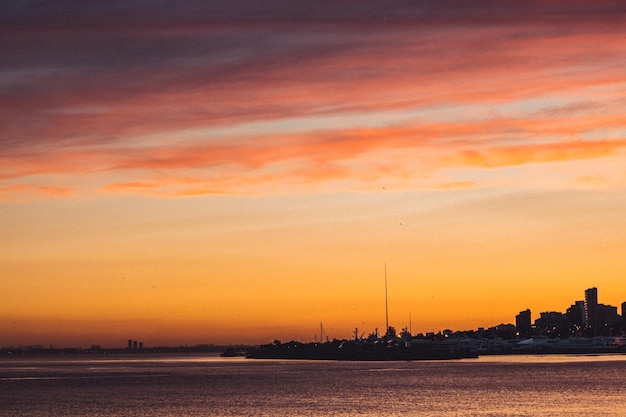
(551, 358)
(212, 386)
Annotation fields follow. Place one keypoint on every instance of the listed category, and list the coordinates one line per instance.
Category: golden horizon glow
(222, 175)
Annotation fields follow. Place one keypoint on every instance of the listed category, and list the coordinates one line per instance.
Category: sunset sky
(237, 171)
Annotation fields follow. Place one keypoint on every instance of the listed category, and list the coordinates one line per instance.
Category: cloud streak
(109, 98)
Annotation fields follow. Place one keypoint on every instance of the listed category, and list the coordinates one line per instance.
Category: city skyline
(586, 317)
(230, 172)
(525, 327)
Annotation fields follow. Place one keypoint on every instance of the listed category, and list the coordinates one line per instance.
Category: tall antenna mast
(386, 303)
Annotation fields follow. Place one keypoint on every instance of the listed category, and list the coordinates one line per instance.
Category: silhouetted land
(385, 348)
(41, 350)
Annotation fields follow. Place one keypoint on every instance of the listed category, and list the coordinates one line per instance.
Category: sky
(237, 172)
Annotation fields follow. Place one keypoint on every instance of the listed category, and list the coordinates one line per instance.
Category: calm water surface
(149, 385)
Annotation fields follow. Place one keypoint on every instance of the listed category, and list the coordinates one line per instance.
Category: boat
(231, 352)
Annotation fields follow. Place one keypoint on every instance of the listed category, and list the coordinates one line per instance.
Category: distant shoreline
(28, 350)
(215, 350)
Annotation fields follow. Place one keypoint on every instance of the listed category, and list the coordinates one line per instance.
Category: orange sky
(236, 174)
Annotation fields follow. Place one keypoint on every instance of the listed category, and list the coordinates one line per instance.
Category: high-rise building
(523, 323)
(606, 316)
(624, 312)
(591, 306)
(576, 316)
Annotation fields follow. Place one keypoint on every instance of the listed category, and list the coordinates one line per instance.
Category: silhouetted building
(624, 314)
(551, 323)
(576, 317)
(523, 323)
(134, 345)
(505, 331)
(607, 320)
(130, 344)
(591, 305)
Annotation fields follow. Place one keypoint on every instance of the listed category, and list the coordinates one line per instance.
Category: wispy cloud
(110, 98)
(518, 155)
(20, 191)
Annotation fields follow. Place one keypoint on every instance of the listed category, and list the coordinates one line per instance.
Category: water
(150, 385)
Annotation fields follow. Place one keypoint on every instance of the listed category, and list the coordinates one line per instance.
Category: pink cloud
(94, 104)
